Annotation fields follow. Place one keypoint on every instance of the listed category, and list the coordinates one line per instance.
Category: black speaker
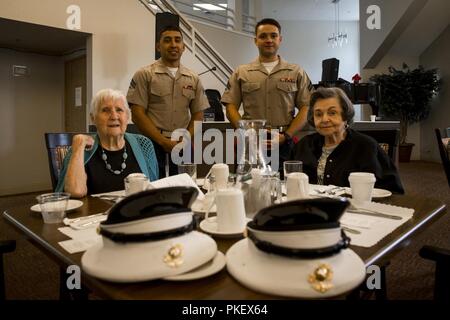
(330, 70)
(163, 20)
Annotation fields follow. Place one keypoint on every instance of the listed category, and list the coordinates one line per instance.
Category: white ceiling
(310, 9)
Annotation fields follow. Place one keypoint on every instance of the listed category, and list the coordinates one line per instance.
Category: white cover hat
(149, 235)
(297, 249)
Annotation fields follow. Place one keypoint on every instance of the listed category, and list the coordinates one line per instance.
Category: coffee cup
(297, 186)
(220, 171)
(362, 184)
(230, 211)
(135, 182)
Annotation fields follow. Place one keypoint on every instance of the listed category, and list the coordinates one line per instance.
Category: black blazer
(357, 153)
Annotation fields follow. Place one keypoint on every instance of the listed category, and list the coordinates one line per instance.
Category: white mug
(220, 171)
(297, 186)
(135, 182)
(230, 211)
(362, 184)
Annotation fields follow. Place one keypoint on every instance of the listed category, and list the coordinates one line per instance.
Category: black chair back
(5, 247)
(57, 147)
(215, 110)
(444, 154)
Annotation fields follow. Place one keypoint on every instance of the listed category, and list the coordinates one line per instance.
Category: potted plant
(406, 95)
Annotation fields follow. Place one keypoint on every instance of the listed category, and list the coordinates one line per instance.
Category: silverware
(87, 217)
(374, 214)
(90, 223)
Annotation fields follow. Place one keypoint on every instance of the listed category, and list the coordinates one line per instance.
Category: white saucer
(376, 193)
(197, 206)
(210, 227)
(205, 270)
(71, 205)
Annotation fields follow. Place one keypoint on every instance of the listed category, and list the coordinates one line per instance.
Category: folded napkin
(82, 232)
(372, 228)
(81, 240)
(179, 180)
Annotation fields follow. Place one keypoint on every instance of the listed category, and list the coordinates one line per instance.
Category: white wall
(437, 56)
(235, 47)
(305, 43)
(238, 49)
(30, 106)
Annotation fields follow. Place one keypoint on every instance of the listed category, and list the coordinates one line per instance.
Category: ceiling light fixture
(337, 38)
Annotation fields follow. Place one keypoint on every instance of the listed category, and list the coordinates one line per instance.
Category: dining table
(220, 286)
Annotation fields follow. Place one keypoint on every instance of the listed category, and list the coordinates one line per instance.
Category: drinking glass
(292, 166)
(53, 206)
(190, 169)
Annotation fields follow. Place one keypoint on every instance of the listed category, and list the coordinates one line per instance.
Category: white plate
(205, 270)
(376, 193)
(71, 205)
(210, 227)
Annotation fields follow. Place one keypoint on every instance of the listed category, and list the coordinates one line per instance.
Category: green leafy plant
(406, 94)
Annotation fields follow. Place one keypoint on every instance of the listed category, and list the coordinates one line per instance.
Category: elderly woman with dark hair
(99, 163)
(331, 154)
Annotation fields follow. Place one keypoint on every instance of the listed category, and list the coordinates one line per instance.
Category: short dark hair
(348, 112)
(169, 28)
(270, 21)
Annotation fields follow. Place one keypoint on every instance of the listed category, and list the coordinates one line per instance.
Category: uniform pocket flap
(159, 90)
(287, 87)
(251, 86)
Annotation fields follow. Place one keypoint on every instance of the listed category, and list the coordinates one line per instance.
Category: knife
(374, 214)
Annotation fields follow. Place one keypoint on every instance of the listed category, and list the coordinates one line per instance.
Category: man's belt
(279, 128)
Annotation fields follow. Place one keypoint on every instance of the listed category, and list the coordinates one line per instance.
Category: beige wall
(437, 56)
(30, 106)
(122, 34)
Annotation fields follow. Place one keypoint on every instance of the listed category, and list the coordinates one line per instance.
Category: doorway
(75, 95)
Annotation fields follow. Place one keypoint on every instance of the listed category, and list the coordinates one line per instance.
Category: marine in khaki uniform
(165, 96)
(270, 88)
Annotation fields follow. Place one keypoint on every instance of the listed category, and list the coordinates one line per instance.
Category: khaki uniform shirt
(169, 101)
(269, 96)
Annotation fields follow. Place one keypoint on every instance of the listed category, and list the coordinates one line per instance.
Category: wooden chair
(5, 247)
(57, 147)
(442, 276)
(444, 154)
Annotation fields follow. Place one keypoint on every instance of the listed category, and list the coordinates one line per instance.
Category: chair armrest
(435, 254)
(7, 246)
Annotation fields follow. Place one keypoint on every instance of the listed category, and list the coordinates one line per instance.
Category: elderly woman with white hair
(99, 163)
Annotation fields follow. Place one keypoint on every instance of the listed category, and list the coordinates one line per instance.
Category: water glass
(53, 206)
(292, 166)
(190, 169)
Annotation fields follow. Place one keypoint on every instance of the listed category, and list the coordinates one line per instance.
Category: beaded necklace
(122, 166)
